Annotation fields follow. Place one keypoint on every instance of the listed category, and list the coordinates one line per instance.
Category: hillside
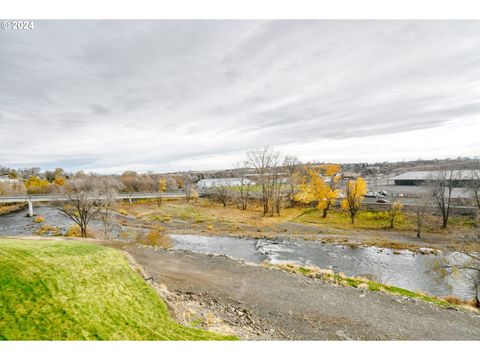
(61, 290)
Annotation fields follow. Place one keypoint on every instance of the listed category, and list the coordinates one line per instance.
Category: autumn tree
(13, 174)
(314, 188)
(332, 177)
(36, 185)
(394, 211)
(355, 190)
(162, 187)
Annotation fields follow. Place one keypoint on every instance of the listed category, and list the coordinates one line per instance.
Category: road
(289, 306)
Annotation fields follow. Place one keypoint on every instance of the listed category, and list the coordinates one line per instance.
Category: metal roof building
(462, 177)
(209, 183)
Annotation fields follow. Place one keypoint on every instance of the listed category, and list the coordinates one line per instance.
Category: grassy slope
(78, 291)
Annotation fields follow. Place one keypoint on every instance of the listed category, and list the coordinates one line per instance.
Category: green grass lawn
(364, 220)
(66, 290)
(377, 220)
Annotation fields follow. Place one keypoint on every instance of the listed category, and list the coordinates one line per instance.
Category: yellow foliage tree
(35, 185)
(355, 190)
(162, 187)
(314, 188)
(394, 211)
(60, 181)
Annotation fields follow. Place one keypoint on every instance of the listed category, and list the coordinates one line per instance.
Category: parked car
(383, 201)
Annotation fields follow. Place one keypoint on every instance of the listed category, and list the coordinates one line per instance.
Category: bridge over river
(30, 199)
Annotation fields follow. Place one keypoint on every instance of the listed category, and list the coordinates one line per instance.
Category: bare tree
(222, 194)
(242, 193)
(291, 166)
(187, 185)
(277, 184)
(442, 184)
(266, 163)
(81, 202)
(474, 185)
(190, 192)
(469, 248)
(107, 189)
(420, 206)
(260, 160)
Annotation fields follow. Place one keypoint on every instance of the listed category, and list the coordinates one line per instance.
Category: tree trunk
(445, 222)
(325, 211)
(83, 230)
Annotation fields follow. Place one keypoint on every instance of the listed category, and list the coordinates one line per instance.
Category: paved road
(296, 307)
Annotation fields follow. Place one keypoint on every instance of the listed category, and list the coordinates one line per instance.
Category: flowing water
(416, 272)
(405, 269)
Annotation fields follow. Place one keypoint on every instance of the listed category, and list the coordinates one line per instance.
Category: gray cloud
(99, 109)
(165, 95)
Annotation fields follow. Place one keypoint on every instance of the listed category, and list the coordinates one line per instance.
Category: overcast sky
(107, 96)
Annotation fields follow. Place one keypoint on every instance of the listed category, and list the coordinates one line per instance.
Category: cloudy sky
(107, 96)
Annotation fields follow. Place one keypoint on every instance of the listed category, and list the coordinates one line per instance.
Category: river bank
(205, 229)
(11, 208)
(273, 304)
(208, 218)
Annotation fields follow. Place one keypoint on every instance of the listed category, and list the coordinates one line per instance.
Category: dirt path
(281, 305)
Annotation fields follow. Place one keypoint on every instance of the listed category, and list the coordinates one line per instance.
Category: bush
(159, 239)
(74, 231)
(48, 230)
(38, 219)
(154, 238)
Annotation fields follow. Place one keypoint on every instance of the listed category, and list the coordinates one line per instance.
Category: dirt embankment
(11, 208)
(258, 303)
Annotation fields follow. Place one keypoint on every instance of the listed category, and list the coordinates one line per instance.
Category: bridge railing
(59, 197)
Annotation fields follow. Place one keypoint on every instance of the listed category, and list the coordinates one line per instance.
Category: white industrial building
(210, 183)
